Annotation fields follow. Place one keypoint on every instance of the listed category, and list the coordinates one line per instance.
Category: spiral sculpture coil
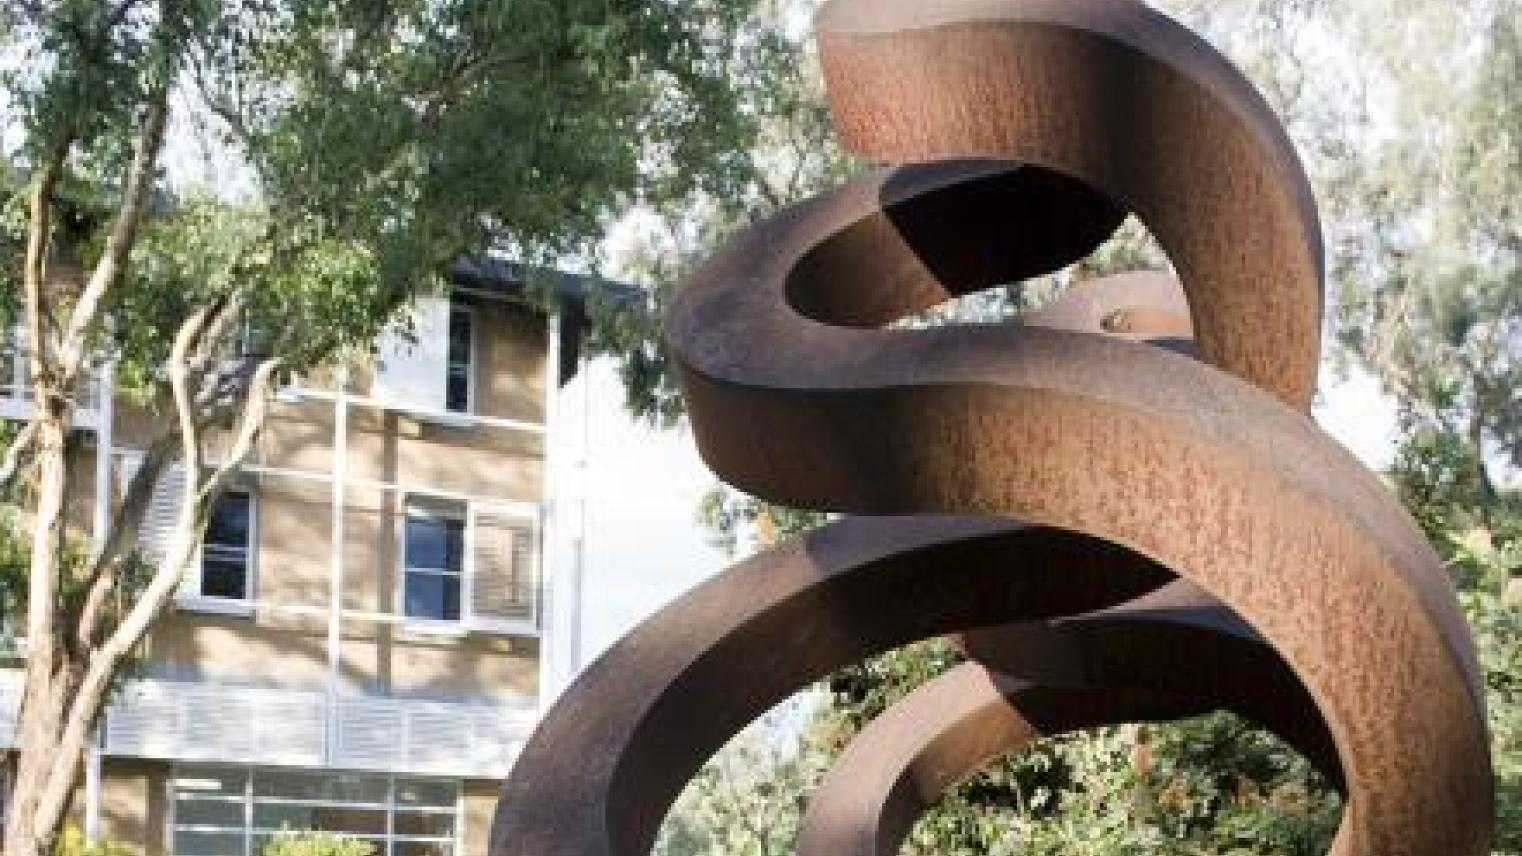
(1121, 505)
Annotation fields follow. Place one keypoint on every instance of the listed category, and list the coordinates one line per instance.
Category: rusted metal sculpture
(1081, 506)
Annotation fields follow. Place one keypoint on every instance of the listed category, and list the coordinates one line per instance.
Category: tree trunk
(1484, 488)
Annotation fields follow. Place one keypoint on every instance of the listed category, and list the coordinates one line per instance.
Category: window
(433, 559)
(457, 381)
(231, 811)
(227, 549)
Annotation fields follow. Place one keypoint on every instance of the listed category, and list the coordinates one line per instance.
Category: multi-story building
(373, 621)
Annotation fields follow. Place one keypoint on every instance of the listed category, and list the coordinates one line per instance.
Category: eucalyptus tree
(362, 145)
(1437, 309)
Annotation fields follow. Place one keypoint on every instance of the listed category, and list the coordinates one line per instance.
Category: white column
(92, 791)
(549, 520)
(336, 554)
(105, 413)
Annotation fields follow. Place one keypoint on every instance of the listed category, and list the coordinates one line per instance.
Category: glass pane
(229, 524)
(432, 824)
(423, 848)
(459, 337)
(208, 813)
(426, 792)
(224, 578)
(435, 542)
(207, 843)
(435, 596)
(327, 818)
(209, 782)
(457, 392)
(327, 787)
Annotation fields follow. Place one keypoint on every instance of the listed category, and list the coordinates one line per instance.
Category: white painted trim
(216, 605)
(442, 417)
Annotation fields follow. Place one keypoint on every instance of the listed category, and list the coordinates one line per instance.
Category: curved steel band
(1129, 464)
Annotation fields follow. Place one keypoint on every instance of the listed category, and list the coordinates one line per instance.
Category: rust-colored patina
(950, 727)
(1039, 472)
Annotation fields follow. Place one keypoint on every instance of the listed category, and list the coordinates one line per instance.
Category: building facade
(375, 617)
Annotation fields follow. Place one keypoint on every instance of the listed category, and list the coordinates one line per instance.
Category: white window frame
(465, 509)
(191, 595)
(249, 801)
(188, 596)
(417, 504)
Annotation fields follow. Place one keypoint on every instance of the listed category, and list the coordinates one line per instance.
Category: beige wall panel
(375, 657)
(480, 802)
(134, 804)
(511, 349)
(476, 665)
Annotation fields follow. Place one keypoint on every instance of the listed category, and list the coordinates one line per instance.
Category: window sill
(500, 628)
(216, 606)
(425, 628)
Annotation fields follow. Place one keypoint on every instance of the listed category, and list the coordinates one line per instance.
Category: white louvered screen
(410, 372)
(369, 734)
(208, 722)
(191, 721)
(415, 736)
(155, 534)
(503, 573)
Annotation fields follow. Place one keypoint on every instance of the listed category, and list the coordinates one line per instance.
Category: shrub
(292, 843)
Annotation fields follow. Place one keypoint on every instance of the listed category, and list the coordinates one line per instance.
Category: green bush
(292, 843)
(72, 843)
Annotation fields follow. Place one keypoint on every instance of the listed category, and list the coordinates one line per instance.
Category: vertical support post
(92, 791)
(105, 414)
(579, 550)
(336, 556)
(549, 526)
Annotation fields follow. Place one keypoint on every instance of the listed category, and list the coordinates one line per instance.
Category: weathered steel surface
(1177, 640)
(604, 766)
(1137, 462)
(900, 764)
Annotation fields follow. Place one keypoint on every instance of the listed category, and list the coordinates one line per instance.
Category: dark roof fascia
(509, 278)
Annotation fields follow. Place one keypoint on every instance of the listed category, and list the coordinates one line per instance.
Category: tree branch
(90, 697)
(119, 242)
(10, 466)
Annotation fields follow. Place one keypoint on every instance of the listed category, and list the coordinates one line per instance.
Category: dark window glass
(325, 787)
(438, 793)
(435, 555)
(225, 549)
(424, 824)
(457, 379)
(435, 596)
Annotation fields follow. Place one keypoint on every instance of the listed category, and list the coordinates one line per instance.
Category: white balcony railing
(190, 721)
(16, 389)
